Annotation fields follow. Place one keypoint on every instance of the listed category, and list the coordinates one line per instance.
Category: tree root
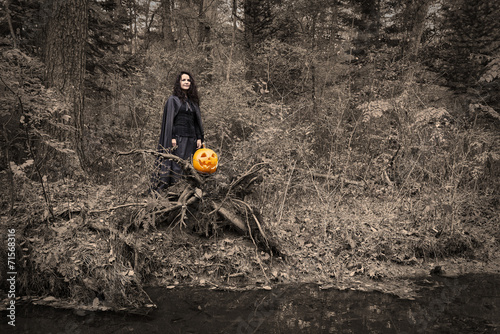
(172, 207)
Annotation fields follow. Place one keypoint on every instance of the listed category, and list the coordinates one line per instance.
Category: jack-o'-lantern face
(205, 160)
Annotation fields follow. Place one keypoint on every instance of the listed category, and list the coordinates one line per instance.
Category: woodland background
(377, 121)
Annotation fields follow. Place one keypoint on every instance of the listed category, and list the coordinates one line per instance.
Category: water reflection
(466, 305)
(470, 304)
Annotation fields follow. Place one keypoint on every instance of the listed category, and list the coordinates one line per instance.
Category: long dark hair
(192, 92)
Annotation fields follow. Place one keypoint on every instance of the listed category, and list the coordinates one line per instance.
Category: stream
(467, 304)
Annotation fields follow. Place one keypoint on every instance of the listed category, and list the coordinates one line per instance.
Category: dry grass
(331, 232)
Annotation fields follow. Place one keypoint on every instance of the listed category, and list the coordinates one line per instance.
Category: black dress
(182, 121)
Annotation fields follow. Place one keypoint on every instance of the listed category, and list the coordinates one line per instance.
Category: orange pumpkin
(205, 160)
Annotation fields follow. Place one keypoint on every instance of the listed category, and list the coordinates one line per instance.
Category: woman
(181, 130)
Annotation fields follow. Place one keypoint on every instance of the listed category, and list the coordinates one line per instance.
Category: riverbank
(89, 257)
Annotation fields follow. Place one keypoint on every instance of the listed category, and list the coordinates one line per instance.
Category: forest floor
(82, 256)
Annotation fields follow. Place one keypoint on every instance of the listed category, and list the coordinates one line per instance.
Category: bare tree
(416, 13)
(9, 21)
(166, 25)
(233, 38)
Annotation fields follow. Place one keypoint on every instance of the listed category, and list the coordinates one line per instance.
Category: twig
(286, 191)
(177, 205)
(256, 221)
(183, 201)
(256, 247)
(248, 173)
(116, 207)
(387, 179)
(46, 194)
(337, 177)
(250, 230)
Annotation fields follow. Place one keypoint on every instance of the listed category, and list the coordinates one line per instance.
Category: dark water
(469, 304)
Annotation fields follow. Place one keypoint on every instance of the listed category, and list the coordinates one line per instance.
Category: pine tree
(471, 38)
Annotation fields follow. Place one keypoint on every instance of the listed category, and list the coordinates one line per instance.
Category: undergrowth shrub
(283, 69)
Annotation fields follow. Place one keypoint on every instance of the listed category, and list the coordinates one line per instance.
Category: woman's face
(185, 82)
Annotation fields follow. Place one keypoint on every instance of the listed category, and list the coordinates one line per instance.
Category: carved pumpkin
(205, 160)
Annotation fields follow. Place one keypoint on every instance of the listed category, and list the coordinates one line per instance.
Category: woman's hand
(198, 143)
(174, 142)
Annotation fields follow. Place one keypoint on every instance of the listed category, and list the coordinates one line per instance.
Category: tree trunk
(166, 27)
(313, 66)
(65, 60)
(233, 39)
(204, 36)
(147, 25)
(9, 21)
(203, 26)
(370, 11)
(257, 21)
(134, 26)
(419, 14)
(119, 11)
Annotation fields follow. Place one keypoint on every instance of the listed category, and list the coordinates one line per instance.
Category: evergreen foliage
(471, 32)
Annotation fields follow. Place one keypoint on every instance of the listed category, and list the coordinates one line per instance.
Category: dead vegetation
(97, 252)
(194, 197)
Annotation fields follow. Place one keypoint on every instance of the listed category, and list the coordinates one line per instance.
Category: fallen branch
(229, 216)
(117, 207)
(184, 164)
(253, 230)
(338, 177)
(247, 175)
(177, 205)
